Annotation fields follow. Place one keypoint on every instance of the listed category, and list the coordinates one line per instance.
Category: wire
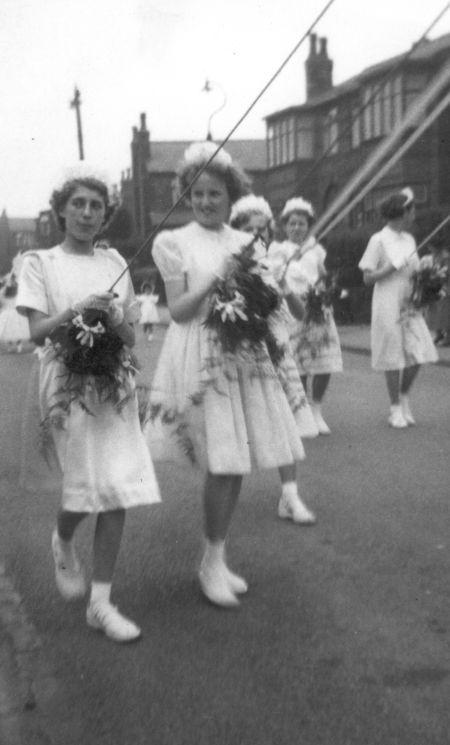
(439, 82)
(186, 191)
(438, 109)
(389, 76)
(433, 232)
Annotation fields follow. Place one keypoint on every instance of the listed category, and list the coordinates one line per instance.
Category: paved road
(343, 638)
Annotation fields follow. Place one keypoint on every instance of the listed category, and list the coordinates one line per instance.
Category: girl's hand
(115, 313)
(99, 302)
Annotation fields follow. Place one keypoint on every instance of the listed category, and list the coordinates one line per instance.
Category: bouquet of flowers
(318, 298)
(95, 358)
(429, 282)
(241, 305)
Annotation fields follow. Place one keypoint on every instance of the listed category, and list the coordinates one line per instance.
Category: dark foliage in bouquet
(320, 297)
(428, 285)
(241, 305)
(94, 356)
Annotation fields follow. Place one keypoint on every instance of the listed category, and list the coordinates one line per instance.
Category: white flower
(87, 333)
(232, 309)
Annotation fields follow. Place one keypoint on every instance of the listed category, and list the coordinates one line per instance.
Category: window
(383, 108)
(414, 85)
(291, 139)
(271, 145)
(330, 134)
(305, 141)
(281, 142)
(284, 141)
(356, 127)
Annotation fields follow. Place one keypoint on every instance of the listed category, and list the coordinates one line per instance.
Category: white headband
(297, 204)
(251, 204)
(200, 152)
(81, 170)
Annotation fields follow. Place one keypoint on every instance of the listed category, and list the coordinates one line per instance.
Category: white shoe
(322, 426)
(292, 508)
(68, 573)
(396, 418)
(406, 411)
(236, 583)
(216, 586)
(105, 617)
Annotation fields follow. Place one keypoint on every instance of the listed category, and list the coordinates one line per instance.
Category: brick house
(297, 136)
(148, 189)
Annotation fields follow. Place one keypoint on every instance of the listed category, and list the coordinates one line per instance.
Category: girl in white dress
(13, 327)
(148, 300)
(102, 453)
(253, 214)
(229, 408)
(301, 260)
(400, 339)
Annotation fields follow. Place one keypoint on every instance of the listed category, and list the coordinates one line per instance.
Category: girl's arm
(184, 303)
(41, 325)
(370, 276)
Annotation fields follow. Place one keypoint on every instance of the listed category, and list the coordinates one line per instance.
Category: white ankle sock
(100, 592)
(214, 554)
(289, 489)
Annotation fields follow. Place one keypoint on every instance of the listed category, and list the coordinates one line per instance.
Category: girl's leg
(396, 418)
(319, 386)
(68, 574)
(291, 505)
(220, 497)
(393, 386)
(101, 614)
(408, 377)
(304, 379)
(108, 535)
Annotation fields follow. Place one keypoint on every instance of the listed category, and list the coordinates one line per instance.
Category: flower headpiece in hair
(83, 169)
(409, 194)
(297, 204)
(250, 204)
(199, 153)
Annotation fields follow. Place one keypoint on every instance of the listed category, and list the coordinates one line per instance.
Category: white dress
(316, 347)
(399, 335)
(149, 311)
(103, 457)
(13, 326)
(228, 411)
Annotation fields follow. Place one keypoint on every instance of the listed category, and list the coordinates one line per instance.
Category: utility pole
(76, 104)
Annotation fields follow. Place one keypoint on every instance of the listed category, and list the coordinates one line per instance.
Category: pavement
(27, 686)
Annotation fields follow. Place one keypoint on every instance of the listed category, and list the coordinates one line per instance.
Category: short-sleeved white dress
(13, 326)
(229, 410)
(316, 347)
(399, 335)
(148, 310)
(103, 455)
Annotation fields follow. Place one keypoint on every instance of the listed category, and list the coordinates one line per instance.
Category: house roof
(424, 52)
(166, 155)
(22, 224)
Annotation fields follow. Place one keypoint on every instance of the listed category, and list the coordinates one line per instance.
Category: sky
(153, 56)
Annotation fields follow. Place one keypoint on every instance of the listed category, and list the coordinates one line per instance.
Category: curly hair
(61, 196)
(236, 181)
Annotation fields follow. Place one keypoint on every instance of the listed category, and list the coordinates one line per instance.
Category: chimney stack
(319, 68)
